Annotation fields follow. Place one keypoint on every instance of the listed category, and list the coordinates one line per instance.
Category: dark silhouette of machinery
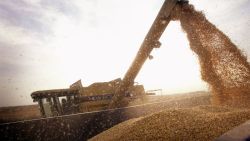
(150, 42)
(77, 98)
(52, 102)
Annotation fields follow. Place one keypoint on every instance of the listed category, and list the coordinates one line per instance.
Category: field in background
(17, 113)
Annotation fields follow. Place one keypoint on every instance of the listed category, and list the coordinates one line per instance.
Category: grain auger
(150, 42)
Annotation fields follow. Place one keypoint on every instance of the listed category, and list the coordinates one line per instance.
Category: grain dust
(223, 65)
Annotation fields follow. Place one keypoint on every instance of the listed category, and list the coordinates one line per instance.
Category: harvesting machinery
(107, 95)
(52, 103)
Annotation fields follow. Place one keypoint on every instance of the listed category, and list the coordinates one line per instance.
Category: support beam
(40, 103)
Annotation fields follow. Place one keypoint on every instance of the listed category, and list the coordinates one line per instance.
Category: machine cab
(57, 102)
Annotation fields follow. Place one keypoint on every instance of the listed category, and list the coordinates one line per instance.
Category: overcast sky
(47, 44)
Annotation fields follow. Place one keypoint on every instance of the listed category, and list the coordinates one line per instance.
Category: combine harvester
(79, 99)
(51, 102)
(82, 126)
(62, 109)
